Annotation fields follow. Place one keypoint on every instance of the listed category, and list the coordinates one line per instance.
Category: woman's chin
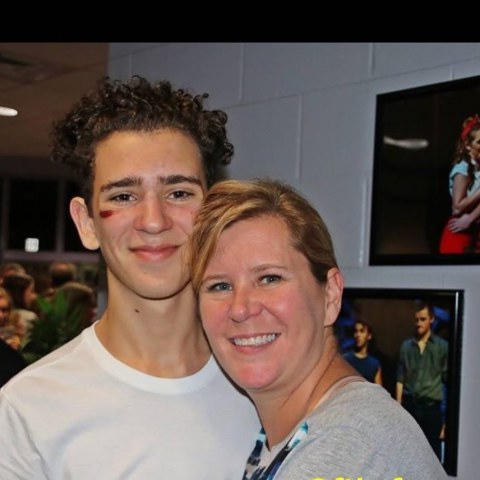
(252, 377)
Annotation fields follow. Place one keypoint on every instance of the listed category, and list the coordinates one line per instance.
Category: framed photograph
(426, 176)
(409, 342)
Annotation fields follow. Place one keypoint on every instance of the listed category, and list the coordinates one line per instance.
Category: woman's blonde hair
(231, 201)
(470, 127)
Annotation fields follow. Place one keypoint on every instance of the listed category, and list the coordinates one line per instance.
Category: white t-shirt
(79, 413)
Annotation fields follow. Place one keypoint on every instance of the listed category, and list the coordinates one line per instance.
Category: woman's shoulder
(361, 431)
(357, 396)
(460, 167)
(363, 407)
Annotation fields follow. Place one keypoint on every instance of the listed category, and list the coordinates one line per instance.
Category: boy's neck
(163, 338)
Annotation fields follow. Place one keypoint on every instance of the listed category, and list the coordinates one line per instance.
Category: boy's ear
(84, 223)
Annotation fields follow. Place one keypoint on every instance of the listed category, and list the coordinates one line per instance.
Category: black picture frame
(391, 314)
(416, 131)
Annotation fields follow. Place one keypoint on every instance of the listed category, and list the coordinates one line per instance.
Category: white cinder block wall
(305, 113)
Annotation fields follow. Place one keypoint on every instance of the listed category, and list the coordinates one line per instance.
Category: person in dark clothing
(11, 361)
(421, 375)
(360, 358)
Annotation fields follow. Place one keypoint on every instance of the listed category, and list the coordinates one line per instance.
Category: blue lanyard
(253, 472)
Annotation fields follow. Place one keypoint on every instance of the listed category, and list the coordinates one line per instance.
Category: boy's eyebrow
(136, 181)
(173, 179)
(123, 182)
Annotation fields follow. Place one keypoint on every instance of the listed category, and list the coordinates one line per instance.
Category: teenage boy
(138, 395)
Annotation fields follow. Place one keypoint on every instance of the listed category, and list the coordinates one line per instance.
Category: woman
(21, 288)
(461, 234)
(269, 291)
(12, 329)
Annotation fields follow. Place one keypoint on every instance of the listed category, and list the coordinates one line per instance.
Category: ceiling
(42, 81)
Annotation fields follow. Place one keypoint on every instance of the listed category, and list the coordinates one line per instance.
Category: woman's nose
(244, 305)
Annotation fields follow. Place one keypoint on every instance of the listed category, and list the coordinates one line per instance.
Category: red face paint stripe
(106, 213)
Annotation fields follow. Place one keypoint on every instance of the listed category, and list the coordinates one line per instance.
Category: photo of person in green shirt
(422, 374)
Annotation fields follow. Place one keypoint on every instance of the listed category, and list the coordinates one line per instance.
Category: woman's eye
(218, 287)
(266, 279)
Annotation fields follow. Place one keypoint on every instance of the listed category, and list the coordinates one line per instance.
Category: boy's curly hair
(137, 105)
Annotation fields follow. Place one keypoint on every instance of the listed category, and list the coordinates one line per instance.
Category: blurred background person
(5, 307)
(360, 358)
(71, 309)
(12, 329)
(21, 288)
(10, 336)
(11, 361)
(9, 268)
(59, 273)
(81, 303)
